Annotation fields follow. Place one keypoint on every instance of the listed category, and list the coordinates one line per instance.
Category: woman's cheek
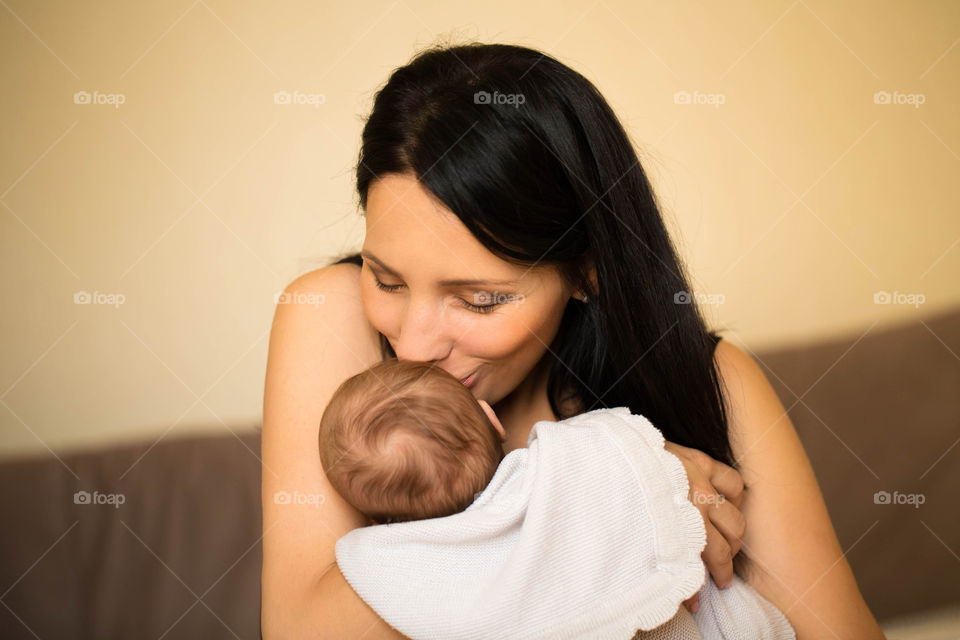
(378, 311)
(501, 337)
(480, 340)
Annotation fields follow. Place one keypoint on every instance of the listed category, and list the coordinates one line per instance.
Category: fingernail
(695, 607)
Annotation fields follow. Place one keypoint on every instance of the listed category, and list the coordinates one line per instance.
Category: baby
(405, 441)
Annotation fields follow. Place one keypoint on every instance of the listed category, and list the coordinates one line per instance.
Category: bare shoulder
(340, 279)
(755, 414)
(754, 411)
(793, 557)
(330, 297)
(765, 445)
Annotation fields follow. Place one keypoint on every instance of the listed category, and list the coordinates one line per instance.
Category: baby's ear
(493, 418)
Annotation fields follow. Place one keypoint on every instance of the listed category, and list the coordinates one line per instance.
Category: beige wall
(198, 198)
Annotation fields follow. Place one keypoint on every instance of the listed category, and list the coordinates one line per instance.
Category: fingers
(726, 527)
(726, 480)
(730, 522)
(716, 489)
(718, 557)
(693, 603)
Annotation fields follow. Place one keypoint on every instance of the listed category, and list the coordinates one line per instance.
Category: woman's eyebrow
(443, 283)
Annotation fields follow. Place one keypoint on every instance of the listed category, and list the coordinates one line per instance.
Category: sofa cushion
(879, 411)
(158, 527)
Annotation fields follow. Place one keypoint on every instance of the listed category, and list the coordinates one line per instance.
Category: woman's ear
(487, 409)
(591, 271)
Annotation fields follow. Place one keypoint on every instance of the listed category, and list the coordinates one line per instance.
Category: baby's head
(407, 441)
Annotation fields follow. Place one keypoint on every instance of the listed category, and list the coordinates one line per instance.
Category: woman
(512, 239)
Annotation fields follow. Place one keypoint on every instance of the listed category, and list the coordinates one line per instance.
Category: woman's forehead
(411, 234)
(396, 191)
(406, 228)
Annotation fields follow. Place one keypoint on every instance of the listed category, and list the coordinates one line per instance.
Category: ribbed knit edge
(691, 538)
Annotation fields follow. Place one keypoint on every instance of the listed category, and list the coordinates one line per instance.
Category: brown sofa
(180, 558)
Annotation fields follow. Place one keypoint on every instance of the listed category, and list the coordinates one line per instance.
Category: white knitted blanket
(585, 533)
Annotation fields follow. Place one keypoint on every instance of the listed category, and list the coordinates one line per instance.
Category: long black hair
(530, 157)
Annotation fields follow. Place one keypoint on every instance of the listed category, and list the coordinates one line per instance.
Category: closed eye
(385, 287)
(391, 288)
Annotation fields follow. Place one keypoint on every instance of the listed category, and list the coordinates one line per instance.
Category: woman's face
(497, 326)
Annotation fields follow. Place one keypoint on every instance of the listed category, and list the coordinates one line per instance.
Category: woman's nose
(422, 336)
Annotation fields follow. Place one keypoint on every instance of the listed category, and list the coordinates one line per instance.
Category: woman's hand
(716, 490)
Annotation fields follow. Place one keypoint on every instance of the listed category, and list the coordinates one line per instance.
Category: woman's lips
(468, 381)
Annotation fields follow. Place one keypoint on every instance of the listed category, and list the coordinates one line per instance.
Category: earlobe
(584, 296)
(487, 409)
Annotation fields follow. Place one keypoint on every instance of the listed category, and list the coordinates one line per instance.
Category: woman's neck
(526, 405)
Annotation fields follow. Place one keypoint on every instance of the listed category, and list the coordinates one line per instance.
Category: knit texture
(585, 533)
(739, 613)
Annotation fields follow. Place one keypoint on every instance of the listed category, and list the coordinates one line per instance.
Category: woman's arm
(334, 610)
(319, 338)
(794, 558)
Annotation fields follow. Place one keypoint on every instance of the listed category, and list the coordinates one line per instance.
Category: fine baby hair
(407, 441)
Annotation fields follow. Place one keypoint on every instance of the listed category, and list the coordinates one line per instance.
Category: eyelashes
(391, 288)
(385, 287)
